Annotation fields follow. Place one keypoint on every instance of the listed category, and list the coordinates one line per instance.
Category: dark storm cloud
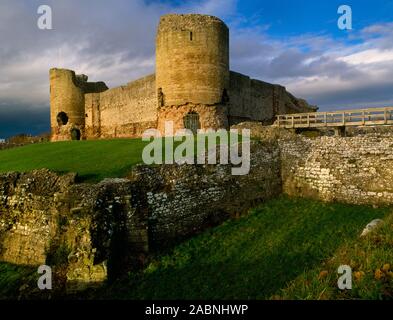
(362, 96)
(16, 119)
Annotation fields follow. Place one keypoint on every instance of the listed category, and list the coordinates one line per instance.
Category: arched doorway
(75, 134)
(191, 122)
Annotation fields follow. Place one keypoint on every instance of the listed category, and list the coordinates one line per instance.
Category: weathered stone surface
(184, 199)
(27, 220)
(269, 134)
(125, 111)
(255, 100)
(192, 59)
(45, 218)
(354, 170)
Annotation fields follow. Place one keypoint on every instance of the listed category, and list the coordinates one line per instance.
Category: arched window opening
(62, 118)
(225, 97)
(160, 96)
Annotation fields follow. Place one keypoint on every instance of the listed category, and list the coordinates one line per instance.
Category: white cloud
(369, 57)
(325, 71)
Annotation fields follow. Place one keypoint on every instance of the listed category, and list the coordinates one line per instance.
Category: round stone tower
(67, 101)
(192, 69)
(192, 59)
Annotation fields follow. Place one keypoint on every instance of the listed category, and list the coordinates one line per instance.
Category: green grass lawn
(93, 160)
(13, 278)
(253, 257)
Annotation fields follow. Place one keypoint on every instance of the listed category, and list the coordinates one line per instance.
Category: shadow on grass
(249, 258)
(253, 257)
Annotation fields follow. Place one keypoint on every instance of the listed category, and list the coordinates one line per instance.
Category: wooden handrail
(356, 117)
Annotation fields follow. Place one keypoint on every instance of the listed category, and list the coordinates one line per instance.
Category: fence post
(385, 116)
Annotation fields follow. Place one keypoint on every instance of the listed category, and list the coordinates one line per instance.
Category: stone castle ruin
(193, 87)
(91, 233)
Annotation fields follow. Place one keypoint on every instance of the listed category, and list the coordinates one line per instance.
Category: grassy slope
(13, 278)
(371, 260)
(252, 257)
(92, 160)
(278, 251)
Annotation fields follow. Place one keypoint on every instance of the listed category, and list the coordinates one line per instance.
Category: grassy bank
(93, 160)
(371, 260)
(284, 249)
(255, 257)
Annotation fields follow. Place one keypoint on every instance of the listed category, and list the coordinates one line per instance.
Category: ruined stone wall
(67, 95)
(256, 100)
(26, 227)
(94, 230)
(192, 59)
(356, 170)
(49, 219)
(183, 200)
(124, 111)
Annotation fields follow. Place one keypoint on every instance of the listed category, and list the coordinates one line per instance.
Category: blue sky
(288, 17)
(293, 43)
(291, 17)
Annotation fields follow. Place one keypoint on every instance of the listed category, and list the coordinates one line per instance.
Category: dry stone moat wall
(92, 231)
(357, 170)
